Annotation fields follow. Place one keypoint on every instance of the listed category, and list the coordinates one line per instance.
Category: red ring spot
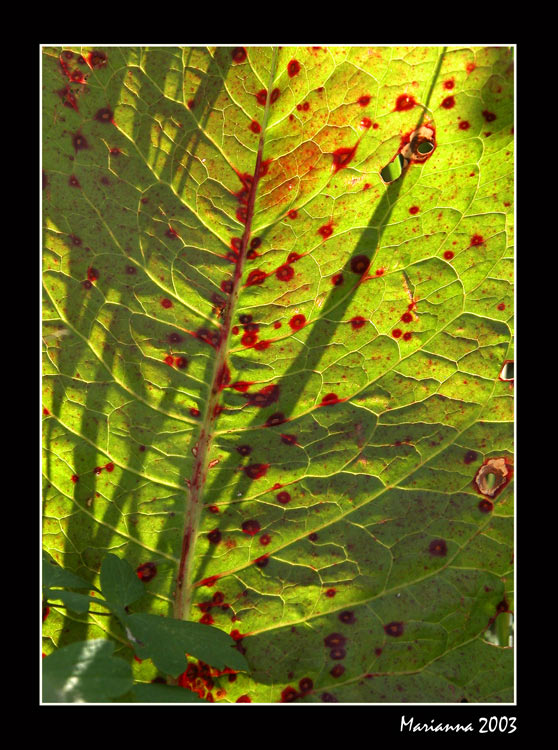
(293, 68)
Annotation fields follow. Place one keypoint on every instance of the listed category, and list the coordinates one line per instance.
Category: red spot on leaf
(293, 68)
(255, 277)
(256, 471)
(297, 322)
(330, 399)
(404, 103)
(485, 506)
(147, 571)
(288, 695)
(239, 54)
(285, 273)
(342, 157)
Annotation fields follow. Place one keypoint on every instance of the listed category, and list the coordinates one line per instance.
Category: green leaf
(84, 672)
(276, 331)
(54, 575)
(119, 582)
(164, 694)
(166, 640)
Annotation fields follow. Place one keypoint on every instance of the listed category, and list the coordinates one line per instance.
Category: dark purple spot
(485, 506)
(394, 629)
(360, 264)
(334, 639)
(250, 527)
(275, 419)
(147, 571)
(103, 115)
(337, 653)
(438, 548)
(288, 439)
(79, 142)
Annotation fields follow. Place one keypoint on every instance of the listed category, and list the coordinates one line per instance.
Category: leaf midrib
(194, 499)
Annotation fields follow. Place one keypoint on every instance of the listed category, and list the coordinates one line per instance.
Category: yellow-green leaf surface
(277, 315)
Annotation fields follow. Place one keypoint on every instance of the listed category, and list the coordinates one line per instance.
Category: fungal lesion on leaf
(415, 148)
(493, 476)
(419, 145)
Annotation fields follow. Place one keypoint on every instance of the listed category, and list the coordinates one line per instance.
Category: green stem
(87, 612)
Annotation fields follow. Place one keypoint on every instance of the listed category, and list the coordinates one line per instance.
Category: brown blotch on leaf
(493, 476)
(420, 146)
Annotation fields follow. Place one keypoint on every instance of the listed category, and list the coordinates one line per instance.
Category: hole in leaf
(507, 371)
(425, 147)
(489, 481)
(393, 170)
